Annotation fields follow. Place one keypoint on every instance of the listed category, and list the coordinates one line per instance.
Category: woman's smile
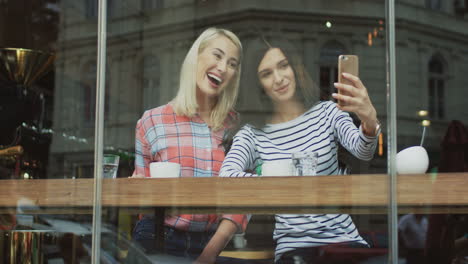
(214, 79)
(283, 89)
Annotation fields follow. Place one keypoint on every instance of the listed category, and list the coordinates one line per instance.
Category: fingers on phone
(344, 88)
(354, 79)
(342, 99)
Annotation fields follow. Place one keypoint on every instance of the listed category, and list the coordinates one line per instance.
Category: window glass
(431, 123)
(47, 111)
(150, 62)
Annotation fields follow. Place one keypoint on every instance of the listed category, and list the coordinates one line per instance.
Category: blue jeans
(315, 255)
(177, 243)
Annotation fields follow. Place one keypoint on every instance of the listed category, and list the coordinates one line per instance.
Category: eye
(217, 55)
(284, 65)
(264, 74)
(233, 64)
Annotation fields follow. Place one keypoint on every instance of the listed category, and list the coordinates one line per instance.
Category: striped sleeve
(239, 159)
(241, 156)
(351, 137)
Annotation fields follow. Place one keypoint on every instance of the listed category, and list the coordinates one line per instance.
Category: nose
(278, 77)
(222, 66)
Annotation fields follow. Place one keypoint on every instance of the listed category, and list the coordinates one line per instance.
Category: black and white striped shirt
(319, 129)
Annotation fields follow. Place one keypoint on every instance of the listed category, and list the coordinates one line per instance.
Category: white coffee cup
(164, 170)
(277, 168)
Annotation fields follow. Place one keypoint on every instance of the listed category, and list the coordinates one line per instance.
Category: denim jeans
(315, 255)
(177, 243)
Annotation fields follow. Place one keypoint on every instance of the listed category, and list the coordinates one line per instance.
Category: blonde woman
(189, 130)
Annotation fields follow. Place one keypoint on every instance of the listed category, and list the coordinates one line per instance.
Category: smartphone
(348, 64)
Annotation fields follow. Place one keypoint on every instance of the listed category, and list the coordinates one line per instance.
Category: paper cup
(164, 170)
(277, 168)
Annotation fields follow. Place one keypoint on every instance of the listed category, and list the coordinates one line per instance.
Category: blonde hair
(185, 102)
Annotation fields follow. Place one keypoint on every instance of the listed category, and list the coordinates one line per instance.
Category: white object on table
(164, 170)
(277, 168)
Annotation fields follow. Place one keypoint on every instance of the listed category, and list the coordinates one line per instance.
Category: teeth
(216, 78)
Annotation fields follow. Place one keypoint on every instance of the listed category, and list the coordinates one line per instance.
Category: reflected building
(148, 39)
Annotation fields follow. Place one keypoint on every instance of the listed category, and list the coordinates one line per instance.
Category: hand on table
(137, 176)
(354, 98)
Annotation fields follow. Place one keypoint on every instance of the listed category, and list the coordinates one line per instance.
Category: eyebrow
(220, 50)
(283, 60)
(268, 69)
(232, 58)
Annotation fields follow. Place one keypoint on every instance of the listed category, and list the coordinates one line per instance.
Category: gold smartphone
(348, 64)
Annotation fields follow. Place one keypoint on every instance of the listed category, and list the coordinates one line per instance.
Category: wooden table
(368, 194)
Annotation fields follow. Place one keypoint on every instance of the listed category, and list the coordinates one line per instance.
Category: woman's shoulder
(157, 113)
(323, 107)
(160, 110)
(247, 130)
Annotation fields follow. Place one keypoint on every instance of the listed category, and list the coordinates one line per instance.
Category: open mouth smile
(214, 79)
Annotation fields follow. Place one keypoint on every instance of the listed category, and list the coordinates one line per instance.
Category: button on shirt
(164, 136)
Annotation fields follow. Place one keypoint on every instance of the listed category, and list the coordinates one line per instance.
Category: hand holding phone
(348, 64)
(352, 94)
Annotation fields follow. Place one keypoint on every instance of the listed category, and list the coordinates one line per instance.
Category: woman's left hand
(135, 175)
(354, 98)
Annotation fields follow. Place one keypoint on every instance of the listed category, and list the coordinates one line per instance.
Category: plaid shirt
(163, 136)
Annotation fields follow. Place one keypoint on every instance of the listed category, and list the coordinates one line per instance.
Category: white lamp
(412, 160)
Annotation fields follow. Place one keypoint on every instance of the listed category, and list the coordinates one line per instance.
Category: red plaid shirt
(163, 136)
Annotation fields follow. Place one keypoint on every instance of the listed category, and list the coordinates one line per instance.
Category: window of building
(91, 9)
(329, 67)
(436, 86)
(460, 7)
(152, 4)
(89, 92)
(434, 4)
(151, 72)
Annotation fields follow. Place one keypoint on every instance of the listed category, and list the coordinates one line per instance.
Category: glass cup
(110, 165)
(305, 163)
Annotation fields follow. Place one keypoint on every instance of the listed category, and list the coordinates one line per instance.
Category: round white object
(412, 160)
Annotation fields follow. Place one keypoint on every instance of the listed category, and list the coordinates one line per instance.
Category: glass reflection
(44, 141)
(298, 123)
(147, 45)
(430, 84)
